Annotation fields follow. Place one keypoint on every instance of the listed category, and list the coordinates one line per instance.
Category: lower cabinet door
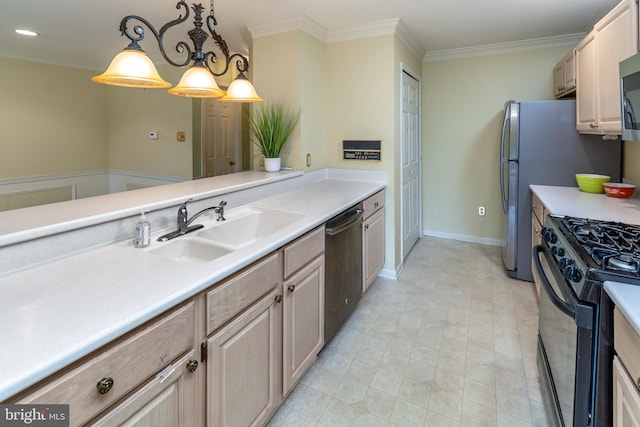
(170, 399)
(373, 248)
(244, 366)
(303, 322)
(626, 398)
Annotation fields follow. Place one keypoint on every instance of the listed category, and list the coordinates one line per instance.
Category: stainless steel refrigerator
(540, 145)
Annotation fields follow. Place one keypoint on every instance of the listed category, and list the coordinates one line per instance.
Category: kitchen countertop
(573, 202)
(88, 300)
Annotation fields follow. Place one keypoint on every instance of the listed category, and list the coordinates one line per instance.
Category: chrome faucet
(184, 224)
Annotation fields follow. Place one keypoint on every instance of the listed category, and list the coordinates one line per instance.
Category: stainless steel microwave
(630, 97)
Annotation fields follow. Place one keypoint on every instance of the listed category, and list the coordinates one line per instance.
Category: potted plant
(271, 125)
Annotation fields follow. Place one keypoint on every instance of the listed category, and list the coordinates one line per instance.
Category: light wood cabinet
(244, 372)
(564, 75)
(372, 238)
(303, 321)
(303, 318)
(132, 367)
(171, 398)
(613, 39)
(265, 327)
(626, 373)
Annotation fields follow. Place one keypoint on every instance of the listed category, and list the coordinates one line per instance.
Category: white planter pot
(272, 164)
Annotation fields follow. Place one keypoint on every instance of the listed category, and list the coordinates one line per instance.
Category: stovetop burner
(613, 246)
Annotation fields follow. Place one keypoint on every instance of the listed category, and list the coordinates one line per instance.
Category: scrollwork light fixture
(133, 68)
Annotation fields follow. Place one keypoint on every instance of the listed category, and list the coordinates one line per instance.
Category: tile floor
(451, 343)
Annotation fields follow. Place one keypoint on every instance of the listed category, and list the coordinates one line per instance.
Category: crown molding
(379, 28)
(374, 29)
(302, 23)
(409, 41)
(502, 48)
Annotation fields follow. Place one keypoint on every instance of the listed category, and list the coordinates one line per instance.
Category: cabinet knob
(192, 365)
(366, 227)
(104, 385)
(278, 298)
(291, 288)
(376, 204)
(593, 125)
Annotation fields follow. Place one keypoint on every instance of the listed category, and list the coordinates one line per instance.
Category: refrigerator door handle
(503, 159)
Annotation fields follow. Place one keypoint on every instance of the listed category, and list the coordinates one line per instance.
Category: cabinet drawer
(303, 250)
(233, 296)
(538, 208)
(627, 345)
(373, 203)
(128, 363)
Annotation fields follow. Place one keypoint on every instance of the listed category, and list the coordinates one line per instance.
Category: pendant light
(133, 68)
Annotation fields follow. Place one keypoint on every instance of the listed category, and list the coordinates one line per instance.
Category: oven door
(565, 343)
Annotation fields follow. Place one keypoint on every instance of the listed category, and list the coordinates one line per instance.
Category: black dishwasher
(343, 268)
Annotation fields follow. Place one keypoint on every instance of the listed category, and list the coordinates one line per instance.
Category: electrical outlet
(481, 211)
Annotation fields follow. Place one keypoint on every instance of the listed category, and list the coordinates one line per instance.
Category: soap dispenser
(142, 237)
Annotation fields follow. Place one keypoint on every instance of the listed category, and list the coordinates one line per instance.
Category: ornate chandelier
(133, 68)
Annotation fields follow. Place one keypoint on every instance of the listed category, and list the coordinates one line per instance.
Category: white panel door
(411, 190)
(222, 138)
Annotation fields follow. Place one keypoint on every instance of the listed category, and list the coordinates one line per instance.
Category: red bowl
(613, 189)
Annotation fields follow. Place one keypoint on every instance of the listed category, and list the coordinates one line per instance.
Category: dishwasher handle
(338, 226)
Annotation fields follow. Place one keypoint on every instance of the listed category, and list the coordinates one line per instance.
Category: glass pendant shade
(197, 82)
(241, 90)
(131, 68)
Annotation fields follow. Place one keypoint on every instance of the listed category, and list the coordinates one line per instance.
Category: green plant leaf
(271, 125)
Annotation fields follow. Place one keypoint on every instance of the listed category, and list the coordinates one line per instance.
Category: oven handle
(562, 305)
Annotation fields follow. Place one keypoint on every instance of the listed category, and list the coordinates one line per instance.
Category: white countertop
(573, 202)
(54, 314)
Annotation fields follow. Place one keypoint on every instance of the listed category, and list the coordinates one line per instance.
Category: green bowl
(591, 183)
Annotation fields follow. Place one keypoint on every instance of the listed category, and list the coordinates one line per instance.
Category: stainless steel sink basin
(190, 251)
(248, 225)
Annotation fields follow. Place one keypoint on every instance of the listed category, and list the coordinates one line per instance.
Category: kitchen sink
(190, 251)
(248, 225)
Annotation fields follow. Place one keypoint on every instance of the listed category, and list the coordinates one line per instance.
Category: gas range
(589, 250)
(575, 324)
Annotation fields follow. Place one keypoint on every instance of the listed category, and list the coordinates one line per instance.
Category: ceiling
(84, 33)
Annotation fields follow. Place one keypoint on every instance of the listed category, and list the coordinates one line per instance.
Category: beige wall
(346, 90)
(133, 113)
(53, 120)
(463, 103)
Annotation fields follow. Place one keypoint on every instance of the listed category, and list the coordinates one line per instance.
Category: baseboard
(464, 238)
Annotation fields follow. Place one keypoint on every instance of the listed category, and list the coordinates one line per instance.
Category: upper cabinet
(613, 39)
(564, 75)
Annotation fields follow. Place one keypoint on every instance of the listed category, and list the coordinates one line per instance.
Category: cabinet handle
(638, 383)
(192, 365)
(593, 125)
(104, 385)
(376, 204)
(366, 227)
(291, 288)
(278, 298)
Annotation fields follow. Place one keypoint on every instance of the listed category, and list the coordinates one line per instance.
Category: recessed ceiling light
(26, 32)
